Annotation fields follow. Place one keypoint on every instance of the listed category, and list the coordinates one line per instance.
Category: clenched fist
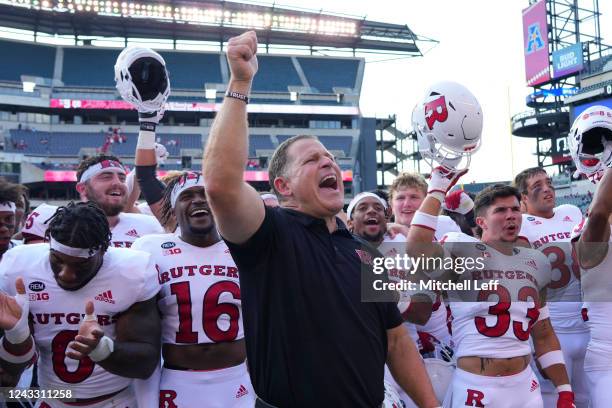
(10, 310)
(241, 56)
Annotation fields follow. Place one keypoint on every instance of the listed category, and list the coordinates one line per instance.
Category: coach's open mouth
(330, 181)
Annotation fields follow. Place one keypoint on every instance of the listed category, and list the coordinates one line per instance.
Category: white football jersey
(133, 226)
(597, 296)
(200, 293)
(126, 277)
(552, 237)
(437, 325)
(499, 328)
(445, 225)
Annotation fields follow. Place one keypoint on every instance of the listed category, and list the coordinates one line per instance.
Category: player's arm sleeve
(150, 283)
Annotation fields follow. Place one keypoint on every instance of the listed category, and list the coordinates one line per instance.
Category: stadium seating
(99, 74)
(336, 143)
(259, 142)
(275, 74)
(323, 74)
(26, 59)
(190, 70)
(581, 201)
(69, 144)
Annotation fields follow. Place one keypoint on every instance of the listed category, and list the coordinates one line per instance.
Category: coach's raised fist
(88, 337)
(242, 56)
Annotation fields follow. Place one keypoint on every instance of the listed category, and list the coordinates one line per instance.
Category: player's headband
(360, 197)
(8, 206)
(185, 182)
(71, 251)
(103, 166)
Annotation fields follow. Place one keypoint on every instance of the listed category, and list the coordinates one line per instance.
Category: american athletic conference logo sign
(534, 39)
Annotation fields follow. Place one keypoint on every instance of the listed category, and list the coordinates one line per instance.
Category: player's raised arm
(425, 220)
(590, 143)
(237, 207)
(549, 355)
(142, 80)
(593, 244)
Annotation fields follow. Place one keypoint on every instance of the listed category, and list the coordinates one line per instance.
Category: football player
(367, 218)
(102, 180)
(88, 309)
(548, 229)
(202, 333)
(590, 143)
(492, 326)
(407, 192)
(10, 194)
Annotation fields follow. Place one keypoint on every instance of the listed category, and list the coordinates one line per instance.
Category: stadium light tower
(560, 38)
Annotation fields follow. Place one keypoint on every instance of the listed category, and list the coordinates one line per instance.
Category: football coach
(311, 341)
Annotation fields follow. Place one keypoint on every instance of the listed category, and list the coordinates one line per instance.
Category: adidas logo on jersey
(105, 297)
(242, 391)
(567, 218)
(534, 385)
(532, 263)
(132, 233)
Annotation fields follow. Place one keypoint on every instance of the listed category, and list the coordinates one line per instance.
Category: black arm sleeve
(151, 187)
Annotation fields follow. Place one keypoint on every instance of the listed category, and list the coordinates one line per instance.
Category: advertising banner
(535, 42)
(567, 61)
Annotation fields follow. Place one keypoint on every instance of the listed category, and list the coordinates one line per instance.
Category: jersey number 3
(502, 311)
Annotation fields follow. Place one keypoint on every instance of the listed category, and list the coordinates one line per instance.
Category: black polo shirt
(310, 340)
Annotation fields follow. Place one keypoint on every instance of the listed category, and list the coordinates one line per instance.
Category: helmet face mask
(142, 79)
(590, 142)
(448, 124)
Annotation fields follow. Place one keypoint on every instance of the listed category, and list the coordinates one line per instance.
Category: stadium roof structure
(207, 20)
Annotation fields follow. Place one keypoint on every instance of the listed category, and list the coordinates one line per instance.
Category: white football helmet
(392, 398)
(142, 79)
(590, 142)
(448, 125)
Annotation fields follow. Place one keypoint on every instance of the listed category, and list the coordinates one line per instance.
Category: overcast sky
(481, 46)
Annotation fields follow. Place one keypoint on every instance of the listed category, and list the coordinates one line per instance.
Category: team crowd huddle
(209, 294)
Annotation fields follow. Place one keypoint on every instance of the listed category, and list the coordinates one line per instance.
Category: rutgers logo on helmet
(448, 125)
(590, 142)
(142, 79)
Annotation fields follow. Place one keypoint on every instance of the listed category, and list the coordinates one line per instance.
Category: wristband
(104, 349)
(438, 195)
(12, 358)
(21, 331)
(237, 95)
(544, 313)
(551, 358)
(425, 220)
(146, 139)
(564, 388)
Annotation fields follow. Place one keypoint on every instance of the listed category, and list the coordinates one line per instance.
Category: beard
(375, 238)
(110, 210)
(199, 230)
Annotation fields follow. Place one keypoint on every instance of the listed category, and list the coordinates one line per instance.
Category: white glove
(442, 180)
